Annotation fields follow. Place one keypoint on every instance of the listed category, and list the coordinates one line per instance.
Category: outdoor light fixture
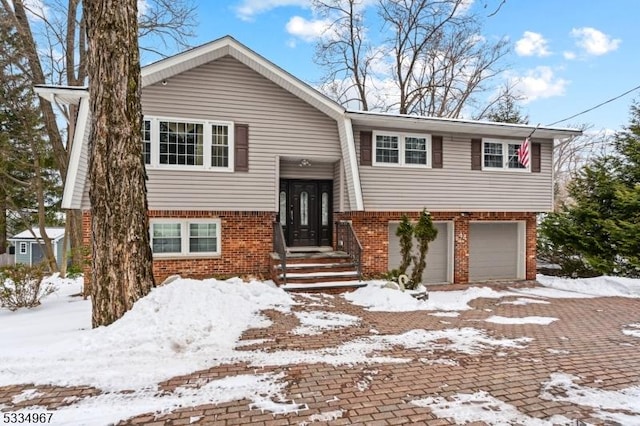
(305, 163)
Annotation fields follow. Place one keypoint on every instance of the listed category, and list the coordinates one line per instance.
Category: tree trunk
(3, 218)
(122, 269)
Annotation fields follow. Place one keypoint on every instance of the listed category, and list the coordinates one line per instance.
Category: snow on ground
(496, 319)
(599, 286)
(481, 407)
(327, 416)
(110, 408)
(312, 323)
(550, 293)
(177, 329)
(377, 298)
(608, 403)
(524, 301)
(632, 330)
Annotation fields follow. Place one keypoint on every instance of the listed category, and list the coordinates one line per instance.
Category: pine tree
(598, 232)
(425, 232)
(405, 232)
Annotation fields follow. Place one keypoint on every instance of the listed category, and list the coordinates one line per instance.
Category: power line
(595, 107)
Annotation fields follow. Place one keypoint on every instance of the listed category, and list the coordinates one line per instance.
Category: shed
(29, 245)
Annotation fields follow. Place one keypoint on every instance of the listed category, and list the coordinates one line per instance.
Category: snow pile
(176, 329)
(312, 323)
(599, 286)
(496, 319)
(327, 416)
(609, 403)
(377, 298)
(481, 407)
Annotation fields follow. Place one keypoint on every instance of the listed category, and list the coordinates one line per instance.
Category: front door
(305, 212)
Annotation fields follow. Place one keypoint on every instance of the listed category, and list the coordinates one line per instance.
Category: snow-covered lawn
(192, 325)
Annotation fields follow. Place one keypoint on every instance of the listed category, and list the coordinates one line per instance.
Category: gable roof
(227, 45)
(52, 233)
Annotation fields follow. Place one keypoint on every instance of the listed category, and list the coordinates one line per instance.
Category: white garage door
(495, 251)
(437, 270)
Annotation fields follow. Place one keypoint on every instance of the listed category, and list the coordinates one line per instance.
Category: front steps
(316, 271)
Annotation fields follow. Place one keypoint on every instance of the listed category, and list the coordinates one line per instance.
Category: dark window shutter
(365, 148)
(241, 147)
(436, 152)
(476, 154)
(535, 157)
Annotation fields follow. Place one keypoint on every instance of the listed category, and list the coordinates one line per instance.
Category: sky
(566, 56)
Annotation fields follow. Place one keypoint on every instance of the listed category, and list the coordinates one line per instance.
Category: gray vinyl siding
(292, 170)
(280, 124)
(456, 187)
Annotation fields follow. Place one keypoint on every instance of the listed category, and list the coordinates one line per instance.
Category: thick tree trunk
(122, 270)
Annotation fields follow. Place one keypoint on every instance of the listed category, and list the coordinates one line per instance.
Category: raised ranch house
(250, 168)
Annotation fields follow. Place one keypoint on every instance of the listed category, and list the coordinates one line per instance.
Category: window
(182, 237)
(146, 141)
(23, 248)
(402, 149)
(304, 208)
(501, 155)
(184, 143)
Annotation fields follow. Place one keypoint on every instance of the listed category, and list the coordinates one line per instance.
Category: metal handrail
(347, 241)
(280, 247)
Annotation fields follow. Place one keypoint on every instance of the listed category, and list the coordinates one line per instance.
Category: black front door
(305, 212)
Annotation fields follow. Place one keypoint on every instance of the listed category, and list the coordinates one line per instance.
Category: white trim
(23, 245)
(277, 184)
(456, 125)
(207, 135)
(341, 185)
(505, 156)
(74, 159)
(185, 236)
(356, 197)
(402, 149)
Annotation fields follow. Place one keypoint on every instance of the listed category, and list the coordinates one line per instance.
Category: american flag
(524, 152)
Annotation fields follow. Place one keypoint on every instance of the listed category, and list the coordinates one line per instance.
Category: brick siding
(245, 246)
(372, 229)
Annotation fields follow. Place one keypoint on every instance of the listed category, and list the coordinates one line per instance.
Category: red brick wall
(372, 229)
(246, 244)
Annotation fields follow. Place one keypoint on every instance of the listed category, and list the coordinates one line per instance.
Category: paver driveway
(586, 341)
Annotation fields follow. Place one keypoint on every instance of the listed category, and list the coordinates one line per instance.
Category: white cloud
(539, 83)
(307, 30)
(569, 55)
(532, 44)
(248, 9)
(594, 42)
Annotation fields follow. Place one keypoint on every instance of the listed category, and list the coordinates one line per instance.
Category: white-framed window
(180, 143)
(501, 155)
(401, 149)
(23, 248)
(185, 237)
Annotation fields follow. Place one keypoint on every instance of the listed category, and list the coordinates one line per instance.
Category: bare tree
(504, 108)
(122, 260)
(434, 56)
(56, 50)
(571, 154)
(343, 51)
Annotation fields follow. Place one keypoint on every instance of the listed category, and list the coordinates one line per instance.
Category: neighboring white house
(29, 245)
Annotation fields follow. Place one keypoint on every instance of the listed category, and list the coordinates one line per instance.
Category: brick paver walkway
(587, 341)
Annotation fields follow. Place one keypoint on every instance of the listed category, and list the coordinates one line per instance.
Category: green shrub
(21, 286)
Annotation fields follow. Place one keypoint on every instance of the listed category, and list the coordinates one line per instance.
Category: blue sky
(567, 55)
